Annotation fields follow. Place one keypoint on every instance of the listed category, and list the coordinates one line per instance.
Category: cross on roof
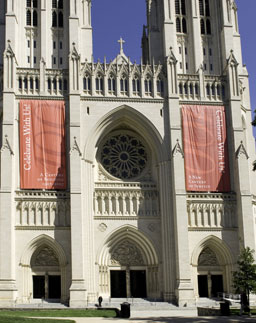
(121, 42)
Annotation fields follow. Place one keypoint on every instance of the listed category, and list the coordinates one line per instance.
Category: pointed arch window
(180, 10)
(35, 22)
(136, 85)
(111, 84)
(160, 86)
(148, 85)
(124, 85)
(204, 10)
(202, 24)
(54, 19)
(178, 25)
(57, 14)
(31, 13)
(87, 83)
(99, 84)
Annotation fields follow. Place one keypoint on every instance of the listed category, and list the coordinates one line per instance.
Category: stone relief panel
(126, 254)
(207, 258)
(45, 257)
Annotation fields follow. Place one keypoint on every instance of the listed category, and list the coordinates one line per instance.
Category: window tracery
(111, 84)
(181, 22)
(136, 85)
(205, 23)
(124, 85)
(57, 14)
(31, 13)
(124, 156)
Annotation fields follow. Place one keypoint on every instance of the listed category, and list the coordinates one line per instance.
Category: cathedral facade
(121, 179)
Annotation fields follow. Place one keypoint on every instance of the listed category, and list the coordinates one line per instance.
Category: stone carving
(152, 227)
(76, 148)
(177, 149)
(126, 254)
(6, 145)
(46, 257)
(207, 258)
(102, 227)
(241, 151)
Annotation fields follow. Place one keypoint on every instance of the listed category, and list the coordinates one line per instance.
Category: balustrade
(40, 208)
(125, 203)
(211, 210)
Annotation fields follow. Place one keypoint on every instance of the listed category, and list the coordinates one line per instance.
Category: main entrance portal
(118, 283)
(48, 287)
(128, 283)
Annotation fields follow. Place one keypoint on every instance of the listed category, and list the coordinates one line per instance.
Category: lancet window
(111, 84)
(87, 83)
(160, 87)
(136, 85)
(205, 22)
(32, 13)
(181, 22)
(124, 85)
(57, 13)
(148, 85)
(99, 84)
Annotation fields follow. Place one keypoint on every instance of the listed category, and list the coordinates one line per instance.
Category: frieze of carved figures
(126, 254)
(46, 257)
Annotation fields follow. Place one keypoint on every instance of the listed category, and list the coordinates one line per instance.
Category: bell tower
(195, 30)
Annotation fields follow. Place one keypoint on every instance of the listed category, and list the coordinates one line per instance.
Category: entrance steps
(142, 308)
(138, 303)
(207, 302)
(42, 304)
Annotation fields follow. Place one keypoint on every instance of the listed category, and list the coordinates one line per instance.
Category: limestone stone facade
(126, 219)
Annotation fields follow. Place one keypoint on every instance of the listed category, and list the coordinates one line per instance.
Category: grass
(55, 313)
(236, 311)
(15, 319)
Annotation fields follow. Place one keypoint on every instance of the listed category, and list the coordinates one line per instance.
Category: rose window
(124, 156)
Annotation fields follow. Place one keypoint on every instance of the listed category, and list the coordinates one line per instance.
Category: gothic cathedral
(120, 179)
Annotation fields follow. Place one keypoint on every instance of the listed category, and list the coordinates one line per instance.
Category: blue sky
(114, 18)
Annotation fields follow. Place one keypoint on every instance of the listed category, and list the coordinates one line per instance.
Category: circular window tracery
(124, 156)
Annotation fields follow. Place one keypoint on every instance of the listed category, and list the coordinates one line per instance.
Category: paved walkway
(201, 319)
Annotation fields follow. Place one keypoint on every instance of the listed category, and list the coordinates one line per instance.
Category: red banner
(42, 145)
(205, 148)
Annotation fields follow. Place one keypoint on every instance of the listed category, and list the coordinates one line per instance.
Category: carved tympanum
(46, 257)
(126, 254)
(208, 258)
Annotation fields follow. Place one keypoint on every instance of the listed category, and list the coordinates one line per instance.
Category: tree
(244, 279)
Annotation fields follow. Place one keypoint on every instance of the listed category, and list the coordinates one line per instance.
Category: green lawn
(54, 313)
(236, 311)
(15, 319)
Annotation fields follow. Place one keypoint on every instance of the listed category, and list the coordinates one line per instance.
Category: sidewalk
(201, 319)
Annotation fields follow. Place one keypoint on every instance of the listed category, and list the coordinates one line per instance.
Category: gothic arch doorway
(127, 271)
(46, 274)
(128, 266)
(210, 274)
(212, 265)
